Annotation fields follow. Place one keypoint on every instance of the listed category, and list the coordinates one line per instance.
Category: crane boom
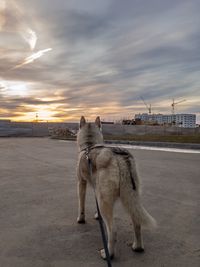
(175, 103)
(179, 101)
(148, 107)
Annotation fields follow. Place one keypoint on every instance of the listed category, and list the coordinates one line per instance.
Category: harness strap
(88, 148)
(101, 223)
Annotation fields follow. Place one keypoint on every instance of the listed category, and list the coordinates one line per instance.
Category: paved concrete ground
(38, 209)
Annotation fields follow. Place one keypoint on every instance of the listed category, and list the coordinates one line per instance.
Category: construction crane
(175, 103)
(148, 107)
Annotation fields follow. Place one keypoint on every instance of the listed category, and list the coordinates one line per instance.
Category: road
(38, 205)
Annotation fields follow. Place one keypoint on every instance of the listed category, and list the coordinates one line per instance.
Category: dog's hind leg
(81, 197)
(138, 242)
(131, 203)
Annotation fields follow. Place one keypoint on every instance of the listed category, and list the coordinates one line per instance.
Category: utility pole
(36, 117)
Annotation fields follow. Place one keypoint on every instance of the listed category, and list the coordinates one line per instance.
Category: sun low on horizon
(107, 58)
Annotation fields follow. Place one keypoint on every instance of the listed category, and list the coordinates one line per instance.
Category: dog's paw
(137, 248)
(81, 220)
(103, 254)
(96, 216)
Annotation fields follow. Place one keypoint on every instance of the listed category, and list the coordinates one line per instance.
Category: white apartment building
(180, 120)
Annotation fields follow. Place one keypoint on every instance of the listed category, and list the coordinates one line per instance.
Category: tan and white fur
(112, 171)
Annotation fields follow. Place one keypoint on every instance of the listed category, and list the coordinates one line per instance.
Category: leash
(101, 223)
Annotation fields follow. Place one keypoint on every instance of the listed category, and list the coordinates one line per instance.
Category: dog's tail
(130, 197)
(140, 216)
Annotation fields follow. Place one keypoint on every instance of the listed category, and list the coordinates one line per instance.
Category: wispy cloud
(30, 37)
(33, 57)
(12, 20)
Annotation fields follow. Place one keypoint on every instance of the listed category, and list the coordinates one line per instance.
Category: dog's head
(89, 134)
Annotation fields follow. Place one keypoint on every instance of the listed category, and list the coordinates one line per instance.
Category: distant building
(107, 122)
(4, 122)
(180, 120)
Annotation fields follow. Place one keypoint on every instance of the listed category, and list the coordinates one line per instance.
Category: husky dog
(113, 176)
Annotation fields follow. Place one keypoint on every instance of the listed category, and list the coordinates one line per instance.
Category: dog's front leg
(106, 209)
(81, 197)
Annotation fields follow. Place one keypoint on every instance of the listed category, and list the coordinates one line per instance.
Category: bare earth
(38, 209)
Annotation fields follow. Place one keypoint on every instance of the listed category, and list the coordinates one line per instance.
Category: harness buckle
(87, 153)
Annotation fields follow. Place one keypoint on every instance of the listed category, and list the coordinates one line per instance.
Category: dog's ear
(98, 122)
(82, 121)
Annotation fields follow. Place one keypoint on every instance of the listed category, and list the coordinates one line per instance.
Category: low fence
(117, 129)
(43, 129)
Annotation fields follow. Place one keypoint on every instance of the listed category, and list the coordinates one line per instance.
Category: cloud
(13, 20)
(32, 57)
(106, 54)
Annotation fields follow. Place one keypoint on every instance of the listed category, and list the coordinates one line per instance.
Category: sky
(64, 59)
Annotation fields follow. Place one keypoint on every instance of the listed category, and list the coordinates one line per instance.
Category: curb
(156, 144)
